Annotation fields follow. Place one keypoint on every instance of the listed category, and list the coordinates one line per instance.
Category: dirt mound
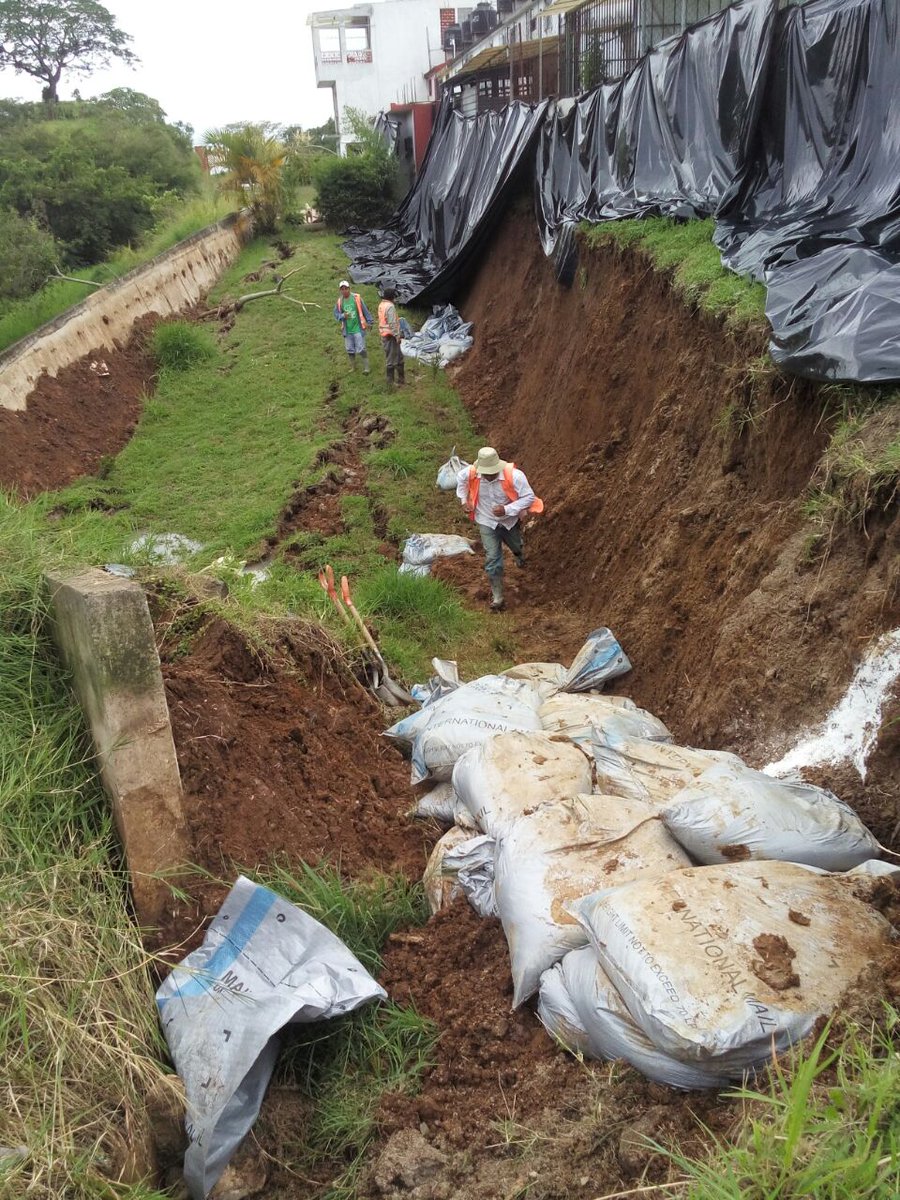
(282, 761)
(673, 464)
(75, 419)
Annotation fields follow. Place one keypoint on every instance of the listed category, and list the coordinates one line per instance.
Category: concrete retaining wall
(167, 285)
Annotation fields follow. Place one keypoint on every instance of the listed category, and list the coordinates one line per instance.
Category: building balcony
(359, 56)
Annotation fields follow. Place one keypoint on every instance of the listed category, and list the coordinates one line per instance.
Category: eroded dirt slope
(678, 527)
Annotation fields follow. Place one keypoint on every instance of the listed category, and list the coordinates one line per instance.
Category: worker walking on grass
(389, 328)
(354, 319)
(495, 494)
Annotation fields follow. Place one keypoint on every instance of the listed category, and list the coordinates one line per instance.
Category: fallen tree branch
(57, 274)
(275, 291)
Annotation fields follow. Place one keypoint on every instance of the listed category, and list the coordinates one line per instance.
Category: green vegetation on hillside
(687, 250)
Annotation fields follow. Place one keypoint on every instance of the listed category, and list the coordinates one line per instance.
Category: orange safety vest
(384, 326)
(506, 482)
(356, 297)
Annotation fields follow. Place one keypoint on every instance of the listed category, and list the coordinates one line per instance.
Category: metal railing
(604, 39)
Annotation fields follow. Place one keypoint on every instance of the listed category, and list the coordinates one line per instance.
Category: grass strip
(687, 250)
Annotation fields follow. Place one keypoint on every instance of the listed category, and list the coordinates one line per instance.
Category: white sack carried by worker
(469, 716)
(580, 1007)
(576, 716)
(722, 966)
(564, 850)
(652, 771)
(733, 813)
(422, 549)
(264, 963)
(449, 471)
(442, 804)
(513, 773)
(600, 659)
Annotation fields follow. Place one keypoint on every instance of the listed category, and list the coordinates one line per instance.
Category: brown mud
(75, 419)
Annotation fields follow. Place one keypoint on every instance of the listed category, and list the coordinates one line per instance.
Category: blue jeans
(494, 540)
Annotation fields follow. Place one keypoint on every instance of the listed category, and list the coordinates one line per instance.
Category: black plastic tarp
(819, 216)
(434, 238)
(783, 125)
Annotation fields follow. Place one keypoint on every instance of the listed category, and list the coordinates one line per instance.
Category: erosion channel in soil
(683, 535)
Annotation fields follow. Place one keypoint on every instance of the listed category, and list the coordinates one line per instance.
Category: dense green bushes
(27, 256)
(363, 188)
(96, 181)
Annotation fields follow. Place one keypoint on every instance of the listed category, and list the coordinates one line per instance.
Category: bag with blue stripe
(264, 963)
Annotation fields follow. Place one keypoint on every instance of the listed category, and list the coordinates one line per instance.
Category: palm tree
(250, 161)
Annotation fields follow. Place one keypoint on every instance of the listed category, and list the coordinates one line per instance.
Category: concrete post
(102, 627)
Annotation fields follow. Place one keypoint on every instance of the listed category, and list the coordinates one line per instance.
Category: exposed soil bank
(675, 526)
(78, 417)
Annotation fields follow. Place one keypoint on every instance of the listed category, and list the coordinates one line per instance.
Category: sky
(210, 64)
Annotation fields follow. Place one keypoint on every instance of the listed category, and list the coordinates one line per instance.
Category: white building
(373, 55)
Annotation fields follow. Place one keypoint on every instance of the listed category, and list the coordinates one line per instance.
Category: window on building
(330, 41)
(503, 87)
(356, 35)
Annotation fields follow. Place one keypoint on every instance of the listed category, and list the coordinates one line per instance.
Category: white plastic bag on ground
(653, 771)
(575, 716)
(441, 803)
(564, 850)
(513, 773)
(732, 813)
(461, 865)
(448, 472)
(600, 659)
(263, 963)
(473, 863)
(444, 680)
(722, 965)
(422, 549)
(469, 716)
(579, 1005)
(441, 887)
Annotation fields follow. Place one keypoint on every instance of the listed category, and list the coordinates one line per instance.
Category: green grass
(344, 1067)
(687, 250)
(826, 1128)
(24, 317)
(178, 345)
(78, 1033)
(859, 472)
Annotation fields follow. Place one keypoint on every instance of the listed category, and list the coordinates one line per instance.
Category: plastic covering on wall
(819, 217)
(783, 125)
(671, 138)
(434, 238)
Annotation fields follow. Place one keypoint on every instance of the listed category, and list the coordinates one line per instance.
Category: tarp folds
(672, 138)
(441, 226)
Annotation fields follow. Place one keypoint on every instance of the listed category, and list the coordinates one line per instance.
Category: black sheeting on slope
(785, 126)
(432, 242)
(819, 216)
(671, 139)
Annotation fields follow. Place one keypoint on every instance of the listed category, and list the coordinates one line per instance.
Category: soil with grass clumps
(286, 759)
(75, 419)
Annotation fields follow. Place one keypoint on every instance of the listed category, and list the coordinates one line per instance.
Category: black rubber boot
(390, 377)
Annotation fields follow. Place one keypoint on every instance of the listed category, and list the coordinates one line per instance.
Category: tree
(43, 38)
(27, 256)
(253, 162)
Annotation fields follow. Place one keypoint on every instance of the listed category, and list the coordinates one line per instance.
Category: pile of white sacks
(669, 906)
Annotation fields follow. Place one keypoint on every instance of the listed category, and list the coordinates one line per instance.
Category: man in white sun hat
(354, 319)
(496, 495)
